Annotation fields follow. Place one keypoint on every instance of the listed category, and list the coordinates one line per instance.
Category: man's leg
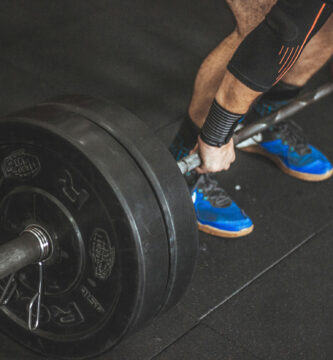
(217, 214)
(286, 144)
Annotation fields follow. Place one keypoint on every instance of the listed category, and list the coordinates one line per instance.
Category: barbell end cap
(189, 163)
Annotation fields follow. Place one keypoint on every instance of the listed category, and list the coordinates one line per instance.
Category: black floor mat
(287, 313)
(145, 56)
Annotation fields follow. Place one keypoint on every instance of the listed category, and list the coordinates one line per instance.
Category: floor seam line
(267, 269)
(175, 340)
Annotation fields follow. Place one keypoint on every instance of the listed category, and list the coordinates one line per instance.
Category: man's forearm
(232, 101)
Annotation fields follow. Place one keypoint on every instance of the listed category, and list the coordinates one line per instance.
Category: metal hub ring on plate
(43, 238)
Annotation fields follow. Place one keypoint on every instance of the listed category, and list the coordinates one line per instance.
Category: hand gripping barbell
(104, 230)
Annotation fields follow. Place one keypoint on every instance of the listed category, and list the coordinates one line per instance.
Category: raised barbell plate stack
(113, 265)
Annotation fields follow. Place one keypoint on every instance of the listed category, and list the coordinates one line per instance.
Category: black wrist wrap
(219, 125)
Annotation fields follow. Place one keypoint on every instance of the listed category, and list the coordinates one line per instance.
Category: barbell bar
(10, 264)
(83, 187)
(23, 254)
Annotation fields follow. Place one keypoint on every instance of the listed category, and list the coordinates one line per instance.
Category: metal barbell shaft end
(190, 162)
(32, 246)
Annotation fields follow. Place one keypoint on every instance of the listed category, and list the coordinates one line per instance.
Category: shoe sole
(224, 233)
(296, 174)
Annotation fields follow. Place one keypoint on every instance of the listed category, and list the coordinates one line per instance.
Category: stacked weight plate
(120, 216)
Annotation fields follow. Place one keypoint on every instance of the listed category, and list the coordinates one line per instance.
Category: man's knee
(271, 50)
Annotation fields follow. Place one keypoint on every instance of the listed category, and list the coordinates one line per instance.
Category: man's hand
(214, 159)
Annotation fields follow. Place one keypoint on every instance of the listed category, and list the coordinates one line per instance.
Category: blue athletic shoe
(216, 213)
(286, 145)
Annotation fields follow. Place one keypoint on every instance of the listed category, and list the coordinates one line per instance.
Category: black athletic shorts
(274, 46)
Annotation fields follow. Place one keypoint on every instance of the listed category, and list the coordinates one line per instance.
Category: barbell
(98, 232)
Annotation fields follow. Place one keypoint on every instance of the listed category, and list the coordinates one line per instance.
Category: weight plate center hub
(64, 261)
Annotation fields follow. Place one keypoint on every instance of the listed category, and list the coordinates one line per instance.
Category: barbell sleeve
(32, 246)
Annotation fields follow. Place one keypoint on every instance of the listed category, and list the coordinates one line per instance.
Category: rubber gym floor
(266, 296)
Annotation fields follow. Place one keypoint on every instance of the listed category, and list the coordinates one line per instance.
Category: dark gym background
(266, 296)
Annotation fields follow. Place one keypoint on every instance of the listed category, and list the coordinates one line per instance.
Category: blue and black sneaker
(286, 145)
(216, 213)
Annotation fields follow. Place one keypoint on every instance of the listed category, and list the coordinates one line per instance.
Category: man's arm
(262, 60)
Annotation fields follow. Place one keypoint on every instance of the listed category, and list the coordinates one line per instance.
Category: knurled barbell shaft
(192, 161)
(30, 247)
